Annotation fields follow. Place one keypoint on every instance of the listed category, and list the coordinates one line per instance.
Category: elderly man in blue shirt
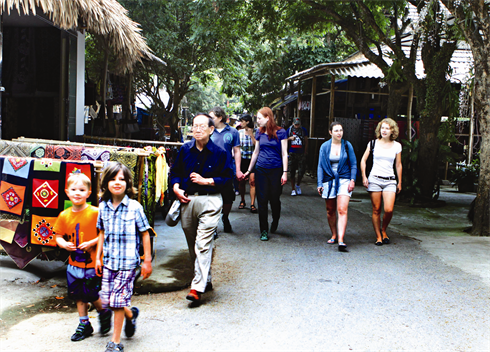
(227, 138)
(199, 174)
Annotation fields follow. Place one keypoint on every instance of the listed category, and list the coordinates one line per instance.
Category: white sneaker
(298, 190)
(293, 192)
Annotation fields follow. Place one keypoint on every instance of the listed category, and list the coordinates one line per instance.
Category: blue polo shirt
(227, 138)
(212, 162)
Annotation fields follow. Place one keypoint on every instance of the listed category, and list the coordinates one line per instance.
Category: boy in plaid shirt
(119, 218)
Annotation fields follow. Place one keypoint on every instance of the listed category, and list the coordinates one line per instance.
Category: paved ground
(428, 290)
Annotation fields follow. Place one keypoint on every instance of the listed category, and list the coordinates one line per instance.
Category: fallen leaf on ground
(60, 297)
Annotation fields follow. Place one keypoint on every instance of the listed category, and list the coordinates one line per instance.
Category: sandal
(242, 205)
(253, 209)
(342, 247)
(332, 240)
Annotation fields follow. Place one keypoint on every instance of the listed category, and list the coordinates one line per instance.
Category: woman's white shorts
(377, 184)
(343, 189)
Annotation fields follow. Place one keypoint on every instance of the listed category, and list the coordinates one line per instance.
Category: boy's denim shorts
(83, 284)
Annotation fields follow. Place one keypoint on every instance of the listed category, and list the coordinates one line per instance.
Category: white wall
(80, 102)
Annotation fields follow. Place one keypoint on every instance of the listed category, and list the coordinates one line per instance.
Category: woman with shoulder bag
(381, 183)
(337, 170)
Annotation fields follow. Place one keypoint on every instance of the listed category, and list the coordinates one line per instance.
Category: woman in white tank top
(381, 183)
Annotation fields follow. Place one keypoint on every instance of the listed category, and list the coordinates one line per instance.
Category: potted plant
(465, 176)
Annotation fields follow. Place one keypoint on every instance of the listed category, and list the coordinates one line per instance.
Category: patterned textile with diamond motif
(45, 193)
(128, 159)
(63, 152)
(11, 198)
(15, 149)
(43, 230)
(16, 166)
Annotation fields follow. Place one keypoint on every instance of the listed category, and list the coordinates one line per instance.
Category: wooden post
(312, 106)
(332, 99)
(409, 112)
(472, 127)
(299, 98)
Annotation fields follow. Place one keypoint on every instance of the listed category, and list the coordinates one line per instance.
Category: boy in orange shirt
(76, 231)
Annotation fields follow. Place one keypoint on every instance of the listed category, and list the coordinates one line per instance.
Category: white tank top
(383, 159)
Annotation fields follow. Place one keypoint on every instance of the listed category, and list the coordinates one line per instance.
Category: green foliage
(465, 174)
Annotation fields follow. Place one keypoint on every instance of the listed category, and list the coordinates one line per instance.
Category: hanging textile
(7, 230)
(161, 177)
(15, 149)
(21, 256)
(148, 188)
(12, 198)
(128, 159)
(63, 152)
(37, 150)
(43, 230)
(18, 167)
(95, 154)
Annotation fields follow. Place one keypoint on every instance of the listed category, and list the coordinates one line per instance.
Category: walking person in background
(337, 170)
(298, 137)
(381, 183)
(247, 145)
(270, 159)
(227, 137)
(200, 172)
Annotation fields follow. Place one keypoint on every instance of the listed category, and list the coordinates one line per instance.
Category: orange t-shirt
(78, 227)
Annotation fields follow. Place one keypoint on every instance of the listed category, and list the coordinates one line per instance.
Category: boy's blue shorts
(83, 284)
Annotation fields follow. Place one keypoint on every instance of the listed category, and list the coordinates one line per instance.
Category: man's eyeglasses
(199, 127)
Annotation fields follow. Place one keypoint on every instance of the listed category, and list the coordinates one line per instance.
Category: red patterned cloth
(63, 152)
(74, 168)
(45, 193)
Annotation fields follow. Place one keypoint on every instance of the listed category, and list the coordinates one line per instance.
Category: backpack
(369, 161)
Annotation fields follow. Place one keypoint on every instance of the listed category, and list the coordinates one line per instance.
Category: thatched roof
(103, 17)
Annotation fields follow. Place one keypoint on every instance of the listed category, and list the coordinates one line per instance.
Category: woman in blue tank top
(337, 170)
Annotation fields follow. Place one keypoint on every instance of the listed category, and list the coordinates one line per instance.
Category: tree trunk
(481, 220)
(396, 90)
(436, 60)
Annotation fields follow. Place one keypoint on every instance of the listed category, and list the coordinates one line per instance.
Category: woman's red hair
(271, 127)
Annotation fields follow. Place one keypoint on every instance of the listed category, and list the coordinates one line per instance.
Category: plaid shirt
(121, 241)
(246, 144)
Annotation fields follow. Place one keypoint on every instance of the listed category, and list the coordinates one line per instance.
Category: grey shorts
(377, 184)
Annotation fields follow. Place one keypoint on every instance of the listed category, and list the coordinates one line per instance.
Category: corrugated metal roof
(357, 65)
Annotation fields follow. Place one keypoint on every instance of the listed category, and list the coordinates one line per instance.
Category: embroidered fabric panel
(95, 154)
(38, 150)
(128, 159)
(23, 233)
(16, 167)
(15, 149)
(21, 256)
(7, 230)
(78, 168)
(11, 198)
(63, 152)
(42, 231)
(45, 193)
(47, 165)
